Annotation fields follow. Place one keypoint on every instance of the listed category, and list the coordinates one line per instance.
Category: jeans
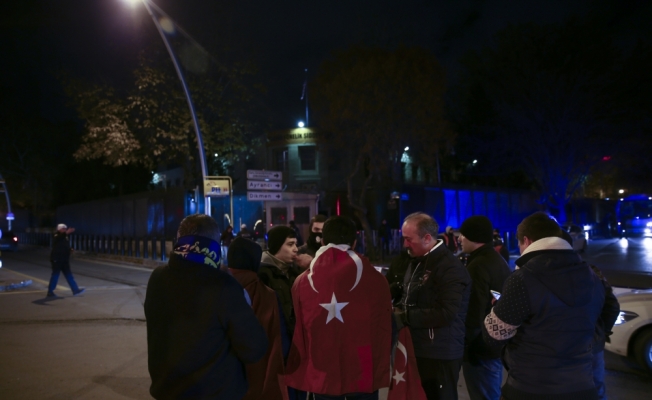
(483, 380)
(598, 375)
(58, 267)
(351, 396)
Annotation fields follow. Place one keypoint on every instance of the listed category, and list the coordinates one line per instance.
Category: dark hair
(199, 225)
(425, 224)
(538, 226)
(339, 230)
(316, 218)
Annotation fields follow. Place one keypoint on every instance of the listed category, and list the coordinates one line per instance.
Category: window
(308, 157)
(279, 216)
(280, 159)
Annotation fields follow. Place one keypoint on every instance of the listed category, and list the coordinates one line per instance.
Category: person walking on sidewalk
(60, 259)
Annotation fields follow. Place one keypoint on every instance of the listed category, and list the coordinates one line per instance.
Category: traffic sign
(215, 186)
(264, 196)
(264, 175)
(262, 185)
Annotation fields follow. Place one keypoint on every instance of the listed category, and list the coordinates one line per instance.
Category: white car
(632, 333)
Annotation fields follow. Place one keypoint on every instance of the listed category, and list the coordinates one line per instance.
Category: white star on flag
(398, 377)
(334, 309)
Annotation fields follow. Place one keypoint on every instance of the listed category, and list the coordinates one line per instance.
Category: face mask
(314, 239)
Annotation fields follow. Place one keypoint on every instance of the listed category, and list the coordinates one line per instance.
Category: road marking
(88, 289)
(46, 283)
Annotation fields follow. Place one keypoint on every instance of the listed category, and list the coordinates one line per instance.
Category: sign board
(262, 185)
(264, 175)
(264, 196)
(216, 186)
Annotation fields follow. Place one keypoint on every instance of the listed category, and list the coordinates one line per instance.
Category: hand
(70, 230)
(303, 260)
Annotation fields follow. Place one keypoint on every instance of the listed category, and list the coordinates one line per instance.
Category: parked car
(632, 333)
(8, 241)
(577, 233)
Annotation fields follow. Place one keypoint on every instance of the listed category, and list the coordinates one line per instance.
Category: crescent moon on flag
(358, 265)
(403, 350)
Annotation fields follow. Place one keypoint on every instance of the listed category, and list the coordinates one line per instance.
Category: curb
(14, 286)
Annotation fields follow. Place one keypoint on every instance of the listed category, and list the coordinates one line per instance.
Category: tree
(541, 101)
(372, 102)
(150, 124)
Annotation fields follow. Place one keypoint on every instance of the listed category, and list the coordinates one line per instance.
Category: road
(94, 346)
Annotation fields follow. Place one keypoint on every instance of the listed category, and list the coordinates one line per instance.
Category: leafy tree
(149, 124)
(541, 100)
(372, 102)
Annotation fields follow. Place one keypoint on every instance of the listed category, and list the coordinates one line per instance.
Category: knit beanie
(276, 237)
(477, 229)
(244, 254)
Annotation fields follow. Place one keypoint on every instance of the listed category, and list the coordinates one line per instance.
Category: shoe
(51, 294)
(80, 291)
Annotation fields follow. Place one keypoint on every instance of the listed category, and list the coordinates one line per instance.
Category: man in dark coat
(482, 367)
(60, 259)
(314, 237)
(546, 317)
(434, 305)
(200, 329)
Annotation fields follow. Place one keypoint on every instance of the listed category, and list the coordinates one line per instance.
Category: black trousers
(439, 377)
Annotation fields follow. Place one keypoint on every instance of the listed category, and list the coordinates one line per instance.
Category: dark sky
(100, 39)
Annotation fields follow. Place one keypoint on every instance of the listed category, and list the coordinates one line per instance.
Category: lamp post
(10, 215)
(165, 25)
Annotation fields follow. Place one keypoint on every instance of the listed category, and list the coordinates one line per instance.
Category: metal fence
(149, 247)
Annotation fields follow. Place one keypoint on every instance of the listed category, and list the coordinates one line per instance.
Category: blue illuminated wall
(451, 206)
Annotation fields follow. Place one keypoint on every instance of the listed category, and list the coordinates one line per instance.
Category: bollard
(163, 249)
(154, 248)
(137, 246)
(145, 249)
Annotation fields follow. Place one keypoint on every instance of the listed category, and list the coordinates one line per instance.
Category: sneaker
(80, 291)
(51, 294)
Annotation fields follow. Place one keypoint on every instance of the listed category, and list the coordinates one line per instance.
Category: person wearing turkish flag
(343, 335)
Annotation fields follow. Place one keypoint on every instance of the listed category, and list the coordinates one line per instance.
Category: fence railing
(150, 247)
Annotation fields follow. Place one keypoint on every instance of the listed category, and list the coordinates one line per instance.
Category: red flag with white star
(406, 383)
(342, 338)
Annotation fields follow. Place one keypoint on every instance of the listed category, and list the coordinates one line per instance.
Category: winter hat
(61, 226)
(478, 229)
(276, 237)
(244, 254)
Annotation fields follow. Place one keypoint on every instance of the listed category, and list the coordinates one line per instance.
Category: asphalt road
(94, 346)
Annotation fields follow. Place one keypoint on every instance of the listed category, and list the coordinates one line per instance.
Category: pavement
(11, 281)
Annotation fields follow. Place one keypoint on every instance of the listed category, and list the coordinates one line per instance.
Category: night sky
(100, 39)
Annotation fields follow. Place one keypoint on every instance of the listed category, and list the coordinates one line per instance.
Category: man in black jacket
(482, 367)
(435, 300)
(200, 329)
(60, 259)
(546, 317)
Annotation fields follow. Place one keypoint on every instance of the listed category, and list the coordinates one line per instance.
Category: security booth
(300, 207)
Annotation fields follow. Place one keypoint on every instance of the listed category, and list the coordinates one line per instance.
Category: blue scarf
(198, 249)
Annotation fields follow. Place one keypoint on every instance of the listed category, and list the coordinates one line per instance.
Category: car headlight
(625, 316)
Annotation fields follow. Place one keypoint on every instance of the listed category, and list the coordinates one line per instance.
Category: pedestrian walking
(60, 260)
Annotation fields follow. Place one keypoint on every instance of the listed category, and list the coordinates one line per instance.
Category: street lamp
(165, 26)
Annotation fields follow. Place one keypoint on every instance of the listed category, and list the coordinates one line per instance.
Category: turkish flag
(342, 338)
(406, 383)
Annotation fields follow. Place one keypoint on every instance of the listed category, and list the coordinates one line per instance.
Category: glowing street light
(406, 148)
(621, 191)
(165, 26)
(301, 124)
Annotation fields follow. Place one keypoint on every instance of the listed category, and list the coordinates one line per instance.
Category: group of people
(318, 321)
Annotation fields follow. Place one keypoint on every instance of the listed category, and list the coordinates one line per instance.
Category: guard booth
(300, 207)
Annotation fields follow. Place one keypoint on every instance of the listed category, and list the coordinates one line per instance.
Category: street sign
(262, 185)
(264, 196)
(264, 175)
(216, 187)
